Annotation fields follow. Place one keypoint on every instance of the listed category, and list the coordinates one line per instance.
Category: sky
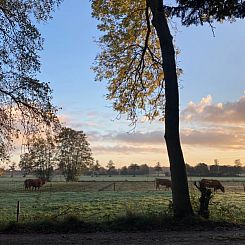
(212, 92)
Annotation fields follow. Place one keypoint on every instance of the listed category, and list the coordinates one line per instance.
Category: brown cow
(212, 183)
(165, 182)
(27, 184)
(34, 183)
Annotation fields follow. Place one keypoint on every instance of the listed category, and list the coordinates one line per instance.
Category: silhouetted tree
(144, 169)
(73, 153)
(158, 168)
(39, 158)
(24, 99)
(110, 167)
(202, 169)
(124, 170)
(133, 167)
(95, 167)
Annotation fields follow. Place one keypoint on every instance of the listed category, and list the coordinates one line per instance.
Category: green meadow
(105, 199)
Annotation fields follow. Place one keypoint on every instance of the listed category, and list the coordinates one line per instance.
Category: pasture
(99, 199)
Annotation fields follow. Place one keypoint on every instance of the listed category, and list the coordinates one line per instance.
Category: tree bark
(180, 192)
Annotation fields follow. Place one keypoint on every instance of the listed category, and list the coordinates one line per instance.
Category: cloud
(154, 137)
(218, 126)
(103, 149)
(207, 112)
(226, 138)
(219, 137)
(76, 123)
(94, 136)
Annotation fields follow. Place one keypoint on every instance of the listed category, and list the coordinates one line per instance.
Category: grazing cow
(34, 183)
(212, 183)
(165, 182)
(37, 183)
(27, 184)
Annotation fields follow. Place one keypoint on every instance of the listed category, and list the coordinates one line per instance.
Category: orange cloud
(226, 138)
(222, 113)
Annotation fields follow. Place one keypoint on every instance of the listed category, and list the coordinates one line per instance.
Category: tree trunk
(206, 195)
(181, 199)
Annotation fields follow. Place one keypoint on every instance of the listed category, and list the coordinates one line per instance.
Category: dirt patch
(234, 236)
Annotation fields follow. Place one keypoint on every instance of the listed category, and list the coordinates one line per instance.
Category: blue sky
(213, 86)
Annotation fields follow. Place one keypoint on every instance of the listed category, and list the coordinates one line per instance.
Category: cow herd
(205, 183)
(35, 184)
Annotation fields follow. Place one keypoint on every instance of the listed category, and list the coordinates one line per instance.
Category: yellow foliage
(2, 171)
(130, 60)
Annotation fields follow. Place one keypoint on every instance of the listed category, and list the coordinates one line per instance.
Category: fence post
(114, 186)
(18, 211)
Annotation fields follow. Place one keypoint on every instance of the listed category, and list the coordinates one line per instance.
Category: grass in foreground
(131, 222)
(224, 215)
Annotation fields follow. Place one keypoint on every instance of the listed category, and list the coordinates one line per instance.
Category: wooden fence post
(114, 186)
(18, 211)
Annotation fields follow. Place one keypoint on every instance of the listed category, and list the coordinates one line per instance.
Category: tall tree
(39, 158)
(73, 153)
(138, 61)
(132, 61)
(24, 100)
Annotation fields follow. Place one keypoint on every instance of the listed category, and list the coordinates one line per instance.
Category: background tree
(12, 169)
(144, 169)
(95, 167)
(39, 158)
(202, 169)
(25, 164)
(138, 61)
(215, 167)
(133, 167)
(73, 153)
(189, 169)
(25, 102)
(238, 167)
(123, 170)
(158, 168)
(237, 163)
(110, 167)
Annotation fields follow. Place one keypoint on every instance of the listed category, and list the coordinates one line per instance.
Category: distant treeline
(202, 169)
(133, 170)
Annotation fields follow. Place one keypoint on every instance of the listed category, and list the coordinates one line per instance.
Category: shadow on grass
(71, 224)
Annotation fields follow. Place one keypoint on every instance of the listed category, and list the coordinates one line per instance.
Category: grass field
(94, 199)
